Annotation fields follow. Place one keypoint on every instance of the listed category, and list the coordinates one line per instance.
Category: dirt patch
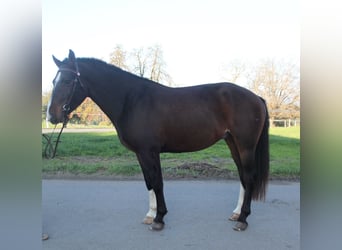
(198, 170)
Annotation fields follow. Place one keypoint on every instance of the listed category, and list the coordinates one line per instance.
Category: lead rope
(50, 150)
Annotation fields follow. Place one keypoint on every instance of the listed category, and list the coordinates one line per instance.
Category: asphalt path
(93, 214)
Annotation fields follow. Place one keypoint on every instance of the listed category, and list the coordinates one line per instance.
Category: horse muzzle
(56, 117)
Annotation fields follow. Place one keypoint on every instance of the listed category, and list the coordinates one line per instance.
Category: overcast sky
(197, 37)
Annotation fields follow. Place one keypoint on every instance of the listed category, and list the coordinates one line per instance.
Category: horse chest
(125, 141)
(136, 139)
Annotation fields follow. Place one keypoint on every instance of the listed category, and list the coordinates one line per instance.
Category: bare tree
(149, 63)
(278, 83)
(140, 58)
(237, 70)
(118, 57)
(157, 63)
(275, 81)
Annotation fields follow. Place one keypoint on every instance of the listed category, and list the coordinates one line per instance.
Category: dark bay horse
(151, 119)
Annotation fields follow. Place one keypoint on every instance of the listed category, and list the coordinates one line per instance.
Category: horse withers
(151, 119)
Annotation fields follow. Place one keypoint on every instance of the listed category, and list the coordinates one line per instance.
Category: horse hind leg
(234, 152)
(237, 210)
(236, 157)
(248, 179)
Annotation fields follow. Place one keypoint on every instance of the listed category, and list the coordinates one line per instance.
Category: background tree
(149, 63)
(279, 84)
(119, 57)
(89, 113)
(275, 81)
(237, 71)
(140, 57)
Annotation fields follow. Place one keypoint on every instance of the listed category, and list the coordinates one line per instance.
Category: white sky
(197, 36)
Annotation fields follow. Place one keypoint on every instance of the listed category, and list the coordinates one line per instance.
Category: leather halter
(66, 106)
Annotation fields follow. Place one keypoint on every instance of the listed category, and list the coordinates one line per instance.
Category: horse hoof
(240, 226)
(45, 236)
(156, 226)
(234, 217)
(148, 220)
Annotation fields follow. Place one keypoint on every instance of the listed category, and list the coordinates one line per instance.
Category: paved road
(108, 214)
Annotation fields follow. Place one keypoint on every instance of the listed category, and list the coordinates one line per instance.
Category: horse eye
(67, 81)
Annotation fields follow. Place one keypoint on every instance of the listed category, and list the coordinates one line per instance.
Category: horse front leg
(150, 165)
(152, 212)
(158, 222)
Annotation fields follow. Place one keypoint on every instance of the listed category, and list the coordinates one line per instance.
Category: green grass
(291, 132)
(90, 153)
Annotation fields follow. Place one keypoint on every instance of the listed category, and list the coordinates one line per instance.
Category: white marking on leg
(152, 212)
(237, 210)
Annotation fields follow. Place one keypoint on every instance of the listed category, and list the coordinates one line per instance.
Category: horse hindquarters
(150, 164)
(250, 151)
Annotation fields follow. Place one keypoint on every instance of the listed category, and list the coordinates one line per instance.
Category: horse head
(68, 91)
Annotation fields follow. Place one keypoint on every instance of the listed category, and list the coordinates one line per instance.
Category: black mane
(97, 64)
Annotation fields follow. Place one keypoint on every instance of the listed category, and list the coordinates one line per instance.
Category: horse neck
(109, 89)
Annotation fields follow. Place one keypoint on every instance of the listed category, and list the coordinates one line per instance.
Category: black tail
(262, 158)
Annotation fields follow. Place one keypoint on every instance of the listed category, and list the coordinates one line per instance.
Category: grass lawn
(91, 153)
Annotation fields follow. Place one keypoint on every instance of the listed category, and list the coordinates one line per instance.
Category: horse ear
(71, 56)
(57, 62)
